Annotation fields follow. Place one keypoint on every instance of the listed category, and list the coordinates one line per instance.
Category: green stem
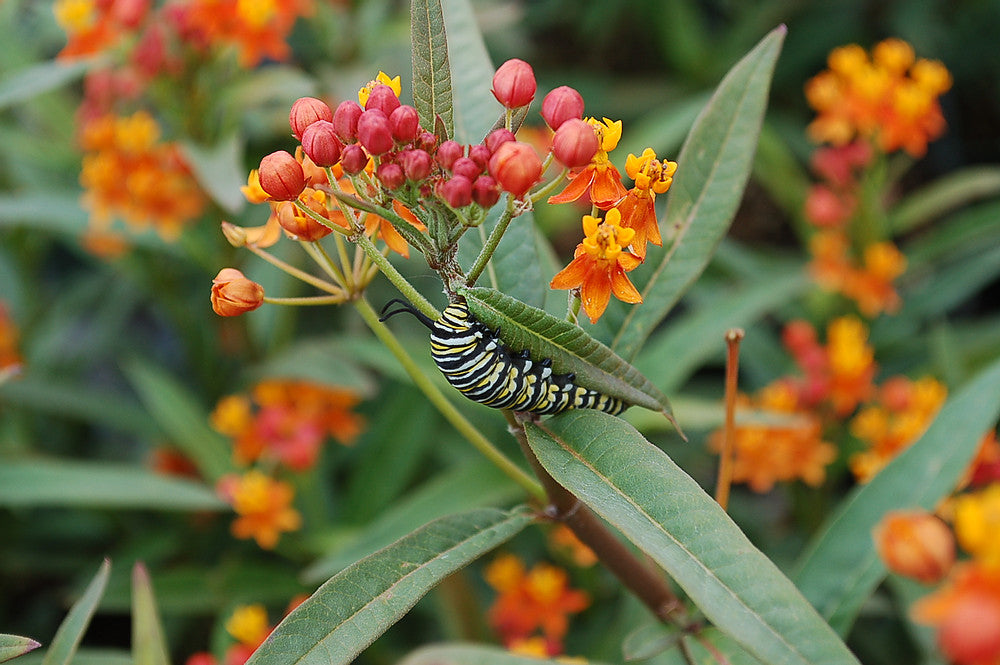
(551, 185)
(307, 300)
(389, 270)
(441, 403)
(321, 219)
(490, 246)
(573, 308)
(315, 251)
(320, 284)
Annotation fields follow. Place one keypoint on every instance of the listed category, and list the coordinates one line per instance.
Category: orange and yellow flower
(599, 265)
(977, 525)
(966, 613)
(381, 79)
(869, 283)
(600, 179)
(890, 98)
(263, 505)
(10, 356)
(93, 26)
(248, 624)
(652, 177)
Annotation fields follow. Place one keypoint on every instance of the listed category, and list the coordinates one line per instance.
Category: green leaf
(43, 77)
(181, 418)
(471, 71)
(431, 72)
(521, 326)
(457, 653)
(354, 607)
(712, 171)
(149, 647)
(79, 484)
(72, 628)
(219, 170)
(633, 485)
(322, 361)
(12, 646)
(840, 568)
(947, 193)
(648, 640)
(87, 657)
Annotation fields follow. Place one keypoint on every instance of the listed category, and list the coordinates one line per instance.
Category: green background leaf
(72, 628)
(919, 477)
(471, 654)
(12, 646)
(431, 71)
(354, 607)
(712, 171)
(149, 647)
(633, 485)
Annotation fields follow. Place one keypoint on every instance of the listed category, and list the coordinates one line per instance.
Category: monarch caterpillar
(477, 363)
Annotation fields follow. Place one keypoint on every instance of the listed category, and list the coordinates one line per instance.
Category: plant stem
(389, 270)
(307, 300)
(646, 583)
(445, 407)
(490, 246)
(321, 219)
(322, 259)
(722, 485)
(320, 284)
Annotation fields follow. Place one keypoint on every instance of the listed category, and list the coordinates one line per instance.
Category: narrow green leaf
(354, 607)
(12, 646)
(87, 657)
(431, 71)
(649, 639)
(42, 77)
(638, 489)
(72, 628)
(322, 361)
(471, 73)
(712, 171)
(79, 484)
(458, 653)
(149, 647)
(181, 417)
(947, 193)
(219, 170)
(840, 568)
(521, 326)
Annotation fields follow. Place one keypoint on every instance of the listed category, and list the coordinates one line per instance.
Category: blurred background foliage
(115, 351)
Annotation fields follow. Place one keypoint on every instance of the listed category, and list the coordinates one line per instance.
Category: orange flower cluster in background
(93, 26)
(532, 609)
(249, 626)
(128, 172)
(10, 356)
(290, 423)
(888, 97)
(263, 507)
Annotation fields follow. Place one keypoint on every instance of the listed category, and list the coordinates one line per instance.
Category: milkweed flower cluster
(10, 355)
(263, 506)
(533, 607)
(248, 626)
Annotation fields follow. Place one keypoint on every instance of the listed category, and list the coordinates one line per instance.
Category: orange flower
(869, 284)
(600, 179)
(966, 612)
(96, 25)
(599, 265)
(381, 79)
(851, 363)
(10, 357)
(651, 177)
(263, 505)
(890, 98)
(249, 625)
(916, 544)
(977, 525)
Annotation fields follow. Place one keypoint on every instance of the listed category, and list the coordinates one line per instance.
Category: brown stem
(733, 338)
(647, 584)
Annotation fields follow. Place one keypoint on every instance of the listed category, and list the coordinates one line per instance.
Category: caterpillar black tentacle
(477, 363)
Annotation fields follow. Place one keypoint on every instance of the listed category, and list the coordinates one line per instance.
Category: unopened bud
(575, 143)
(425, 141)
(345, 120)
(485, 191)
(383, 98)
(416, 164)
(320, 143)
(353, 159)
(300, 224)
(516, 167)
(305, 111)
(235, 235)
(233, 294)
(562, 104)
(915, 544)
(405, 124)
(457, 191)
(467, 167)
(480, 154)
(514, 84)
(497, 138)
(448, 152)
(390, 175)
(374, 132)
(281, 176)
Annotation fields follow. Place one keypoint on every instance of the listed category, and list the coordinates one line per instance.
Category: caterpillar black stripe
(475, 361)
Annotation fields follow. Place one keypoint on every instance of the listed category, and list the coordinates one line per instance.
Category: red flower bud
(516, 167)
(497, 138)
(485, 191)
(390, 175)
(970, 633)
(374, 132)
(382, 98)
(448, 152)
(281, 176)
(345, 120)
(514, 84)
(467, 167)
(562, 104)
(575, 143)
(320, 143)
(233, 294)
(480, 154)
(405, 124)
(426, 141)
(305, 111)
(457, 191)
(416, 164)
(353, 159)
